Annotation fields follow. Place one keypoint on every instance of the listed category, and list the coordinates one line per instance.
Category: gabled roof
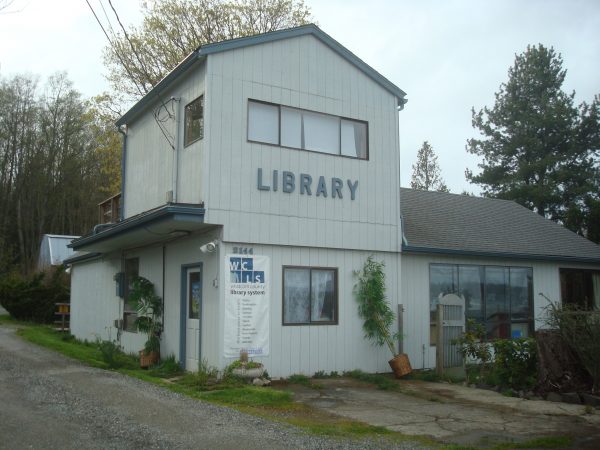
(437, 222)
(203, 51)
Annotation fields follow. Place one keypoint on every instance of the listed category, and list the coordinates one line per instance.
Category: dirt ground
(453, 413)
(49, 401)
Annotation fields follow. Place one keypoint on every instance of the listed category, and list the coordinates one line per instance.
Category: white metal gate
(450, 326)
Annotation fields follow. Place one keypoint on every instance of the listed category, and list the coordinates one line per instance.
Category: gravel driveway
(48, 401)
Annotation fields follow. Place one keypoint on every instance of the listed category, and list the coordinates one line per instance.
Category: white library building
(257, 177)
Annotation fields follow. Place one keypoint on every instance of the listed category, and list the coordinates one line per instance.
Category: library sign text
(306, 185)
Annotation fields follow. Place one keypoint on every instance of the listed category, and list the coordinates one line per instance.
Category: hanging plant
(149, 309)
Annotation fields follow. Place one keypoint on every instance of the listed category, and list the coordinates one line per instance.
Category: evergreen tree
(426, 171)
(538, 148)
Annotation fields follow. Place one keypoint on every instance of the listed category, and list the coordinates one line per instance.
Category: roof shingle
(451, 223)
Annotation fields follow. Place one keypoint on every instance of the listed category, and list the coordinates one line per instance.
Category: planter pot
(248, 373)
(400, 365)
(148, 359)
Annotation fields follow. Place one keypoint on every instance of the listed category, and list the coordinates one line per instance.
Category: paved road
(48, 401)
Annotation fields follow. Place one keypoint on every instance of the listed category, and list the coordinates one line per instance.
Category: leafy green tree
(56, 163)
(140, 57)
(538, 148)
(426, 171)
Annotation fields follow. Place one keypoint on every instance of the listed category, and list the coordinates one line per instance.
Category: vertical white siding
(149, 164)
(94, 303)
(307, 349)
(185, 252)
(302, 73)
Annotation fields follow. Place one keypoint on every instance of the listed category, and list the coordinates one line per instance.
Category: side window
(132, 271)
(310, 296)
(194, 121)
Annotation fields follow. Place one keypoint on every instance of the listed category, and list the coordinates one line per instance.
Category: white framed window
(307, 130)
(310, 296)
(263, 123)
(194, 121)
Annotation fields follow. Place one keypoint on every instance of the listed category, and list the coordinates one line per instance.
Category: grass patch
(249, 396)
(382, 382)
(63, 343)
(303, 380)
(6, 319)
(543, 442)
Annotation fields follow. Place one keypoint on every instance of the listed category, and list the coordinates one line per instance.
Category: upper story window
(307, 130)
(194, 121)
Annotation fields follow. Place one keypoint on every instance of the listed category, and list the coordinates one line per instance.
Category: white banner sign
(247, 299)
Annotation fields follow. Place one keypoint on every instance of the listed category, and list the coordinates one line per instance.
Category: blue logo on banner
(242, 271)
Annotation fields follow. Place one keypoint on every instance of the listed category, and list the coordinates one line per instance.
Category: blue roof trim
(452, 252)
(81, 258)
(205, 50)
(177, 212)
(155, 92)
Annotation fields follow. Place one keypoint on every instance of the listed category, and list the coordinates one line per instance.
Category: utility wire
(170, 139)
(142, 91)
(133, 49)
(114, 48)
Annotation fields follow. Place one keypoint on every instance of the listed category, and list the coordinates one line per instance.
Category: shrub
(112, 354)
(34, 298)
(581, 331)
(515, 363)
(472, 344)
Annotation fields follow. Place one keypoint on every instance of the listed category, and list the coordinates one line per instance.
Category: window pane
(442, 281)
(263, 123)
(497, 309)
(296, 296)
(519, 330)
(194, 120)
(194, 295)
(323, 295)
(354, 139)
(321, 132)
(520, 292)
(469, 284)
(291, 127)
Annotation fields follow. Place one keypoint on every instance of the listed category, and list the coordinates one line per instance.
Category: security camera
(209, 248)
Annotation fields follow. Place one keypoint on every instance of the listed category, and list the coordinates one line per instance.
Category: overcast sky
(447, 55)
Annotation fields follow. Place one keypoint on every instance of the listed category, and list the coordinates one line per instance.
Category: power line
(114, 48)
(133, 49)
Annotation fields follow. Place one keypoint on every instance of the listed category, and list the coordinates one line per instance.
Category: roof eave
(157, 90)
(503, 255)
(81, 258)
(247, 41)
(139, 221)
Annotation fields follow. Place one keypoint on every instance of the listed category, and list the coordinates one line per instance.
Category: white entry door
(193, 318)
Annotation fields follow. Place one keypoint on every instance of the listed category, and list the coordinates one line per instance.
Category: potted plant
(149, 309)
(376, 313)
(246, 369)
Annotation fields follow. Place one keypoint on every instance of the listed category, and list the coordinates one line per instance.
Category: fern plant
(149, 309)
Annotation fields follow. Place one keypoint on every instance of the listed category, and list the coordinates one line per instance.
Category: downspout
(176, 150)
(164, 249)
(123, 171)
